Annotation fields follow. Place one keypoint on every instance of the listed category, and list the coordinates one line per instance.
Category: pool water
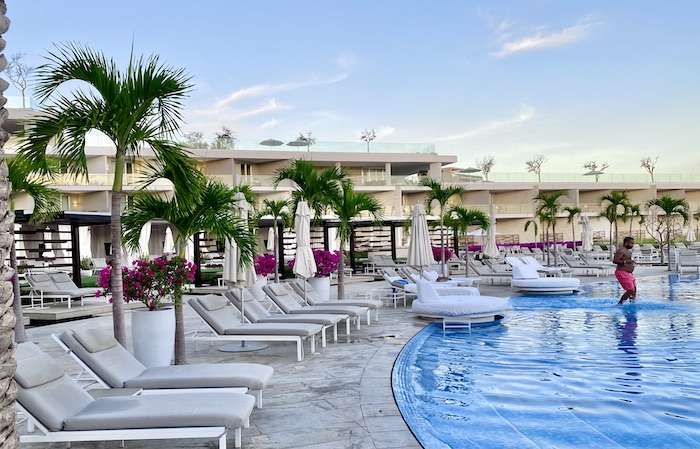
(571, 371)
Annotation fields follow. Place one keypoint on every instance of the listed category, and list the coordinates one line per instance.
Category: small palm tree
(211, 211)
(634, 210)
(136, 108)
(277, 209)
(547, 210)
(314, 187)
(617, 207)
(533, 223)
(347, 205)
(572, 212)
(250, 196)
(672, 208)
(442, 195)
(47, 203)
(463, 218)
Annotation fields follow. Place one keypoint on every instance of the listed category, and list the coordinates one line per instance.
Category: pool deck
(338, 398)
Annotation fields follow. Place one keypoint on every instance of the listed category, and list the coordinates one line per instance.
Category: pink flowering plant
(150, 281)
(326, 262)
(437, 253)
(265, 264)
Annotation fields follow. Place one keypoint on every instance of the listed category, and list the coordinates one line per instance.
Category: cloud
(345, 60)
(271, 105)
(525, 114)
(272, 123)
(541, 39)
(261, 90)
(384, 131)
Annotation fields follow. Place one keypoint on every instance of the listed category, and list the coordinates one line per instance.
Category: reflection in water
(565, 372)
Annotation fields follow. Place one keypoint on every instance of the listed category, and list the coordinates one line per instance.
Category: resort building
(390, 172)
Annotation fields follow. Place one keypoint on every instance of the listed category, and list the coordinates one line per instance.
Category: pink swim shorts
(626, 280)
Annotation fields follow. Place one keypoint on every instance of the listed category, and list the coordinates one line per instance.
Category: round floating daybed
(526, 279)
(461, 310)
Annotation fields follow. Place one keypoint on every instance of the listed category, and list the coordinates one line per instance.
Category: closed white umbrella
(420, 253)
(85, 237)
(586, 234)
(333, 243)
(690, 236)
(304, 262)
(491, 249)
(144, 239)
(243, 276)
(169, 243)
(189, 249)
(271, 238)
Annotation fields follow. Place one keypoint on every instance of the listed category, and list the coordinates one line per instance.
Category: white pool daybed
(458, 311)
(526, 279)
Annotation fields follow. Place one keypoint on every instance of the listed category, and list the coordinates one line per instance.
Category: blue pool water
(564, 372)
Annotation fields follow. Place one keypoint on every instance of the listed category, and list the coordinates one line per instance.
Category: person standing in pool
(625, 270)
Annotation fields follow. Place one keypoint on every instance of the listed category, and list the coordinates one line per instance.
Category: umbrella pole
(243, 347)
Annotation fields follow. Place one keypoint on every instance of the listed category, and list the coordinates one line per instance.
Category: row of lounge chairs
(56, 286)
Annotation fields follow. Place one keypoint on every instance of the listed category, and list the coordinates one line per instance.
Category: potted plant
(326, 263)
(264, 266)
(86, 266)
(157, 284)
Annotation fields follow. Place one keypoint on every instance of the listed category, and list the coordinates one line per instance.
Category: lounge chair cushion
(279, 289)
(546, 284)
(523, 271)
(219, 319)
(432, 276)
(312, 318)
(41, 281)
(164, 411)
(354, 311)
(295, 329)
(50, 401)
(114, 365)
(206, 375)
(451, 306)
(94, 340)
(213, 302)
(426, 292)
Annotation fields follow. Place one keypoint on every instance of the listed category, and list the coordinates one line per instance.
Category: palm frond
(47, 201)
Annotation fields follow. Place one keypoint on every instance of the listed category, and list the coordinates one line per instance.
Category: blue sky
(614, 81)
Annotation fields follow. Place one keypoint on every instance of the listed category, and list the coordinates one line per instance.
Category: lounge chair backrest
(103, 355)
(44, 389)
(253, 311)
(217, 311)
(426, 291)
(41, 281)
(523, 271)
(430, 275)
(281, 296)
(63, 282)
(311, 294)
(513, 261)
(529, 260)
(390, 271)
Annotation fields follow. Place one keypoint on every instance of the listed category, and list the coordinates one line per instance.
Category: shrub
(437, 253)
(326, 262)
(265, 264)
(86, 263)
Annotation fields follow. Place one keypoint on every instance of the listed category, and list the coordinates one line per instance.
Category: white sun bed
(59, 410)
(526, 279)
(458, 310)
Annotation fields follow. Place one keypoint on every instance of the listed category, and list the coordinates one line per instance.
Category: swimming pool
(571, 371)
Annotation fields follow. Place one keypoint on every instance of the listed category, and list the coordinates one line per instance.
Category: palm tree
(547, 210)
(347, 205)
(277, 209)
(617, 207)
(463, 219)
(634, 210)
(671, 207)
(8, 429)
(533, 223)
(211, 211)
(442, 195)
(250, 196)
(137, 109)
(572, 212)
(314, 187)
(47, 203)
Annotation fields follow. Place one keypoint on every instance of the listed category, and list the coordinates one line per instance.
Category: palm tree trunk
(20, 333)
(610, 250)
(180, 353)
(466, 257)
(9, 438)
(546, 242)
(275, 249)
(668, 240)
(554, 238)
(573, 235)
(117, 286)
(341, 271)
(442, 245)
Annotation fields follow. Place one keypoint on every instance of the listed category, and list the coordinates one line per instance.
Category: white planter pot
(85, 273)
(322, 286)
(261, 281)
(153, 335)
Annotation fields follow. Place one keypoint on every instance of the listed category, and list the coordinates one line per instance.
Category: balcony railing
(104, 180)
(574, 177)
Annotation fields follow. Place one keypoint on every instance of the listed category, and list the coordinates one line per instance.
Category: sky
(575, 80)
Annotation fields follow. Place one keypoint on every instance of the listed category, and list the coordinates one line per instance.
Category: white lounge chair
(112, 366)
(256, 313)
(288, 300)
(59, 410)
(550, 271)
(315, 300)
(457, 310)
(56, 286)
(223, 321)
(526, 279)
